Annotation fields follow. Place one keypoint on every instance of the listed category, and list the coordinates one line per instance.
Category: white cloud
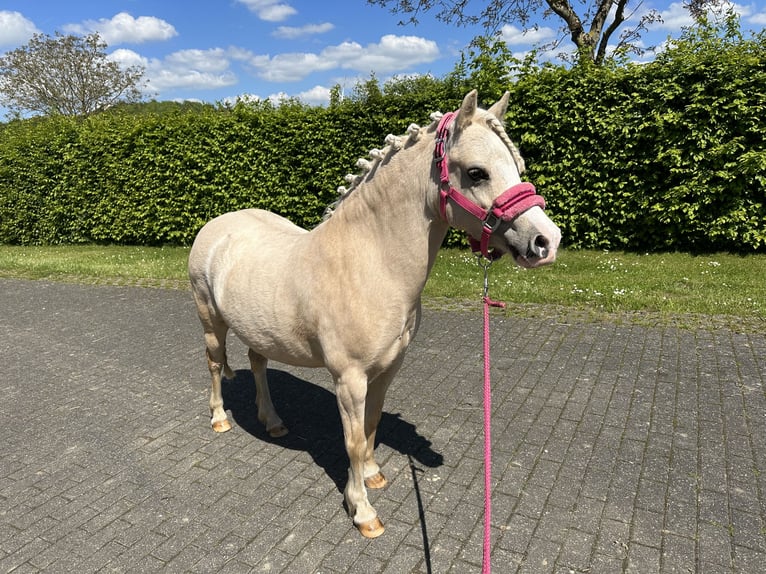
(124, 28)
(187, 69)
(290, 32)
(245, 98)
(316, 96)
(758, 19)
(278, 98)
(127, 58)
(15, 29)
(676, 16)
(213, 60)
(239, 54)
(290, 67)
(391, 54)
(169, 78)
(514, 36)
(269, 10)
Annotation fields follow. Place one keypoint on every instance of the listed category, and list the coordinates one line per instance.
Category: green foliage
(487, 68)
(708, 147)
(668, 155)
(571, 134)
(664, 156)
(31, 161)
(154, 175)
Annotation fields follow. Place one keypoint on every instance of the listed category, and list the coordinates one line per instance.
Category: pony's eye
(477, 174)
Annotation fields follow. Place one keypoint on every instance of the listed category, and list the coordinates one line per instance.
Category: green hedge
(668, 155)
(156, 178)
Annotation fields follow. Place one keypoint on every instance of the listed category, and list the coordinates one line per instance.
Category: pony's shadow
(310, 412)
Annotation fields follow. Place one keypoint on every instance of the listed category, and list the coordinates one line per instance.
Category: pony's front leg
(351, 392)
(376, 393)
(267, 414)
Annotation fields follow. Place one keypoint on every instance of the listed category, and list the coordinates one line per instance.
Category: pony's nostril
(538, 247)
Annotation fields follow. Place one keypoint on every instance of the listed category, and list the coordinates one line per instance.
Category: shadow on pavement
(310, 412)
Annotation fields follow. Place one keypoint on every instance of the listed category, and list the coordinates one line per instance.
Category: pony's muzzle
(533, 239)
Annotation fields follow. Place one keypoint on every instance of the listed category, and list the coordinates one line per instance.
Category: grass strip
(721, 289)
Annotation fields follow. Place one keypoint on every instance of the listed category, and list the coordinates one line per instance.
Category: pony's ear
(499, 108)
(467, 109)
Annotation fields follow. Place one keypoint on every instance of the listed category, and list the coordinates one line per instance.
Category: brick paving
(617, 448)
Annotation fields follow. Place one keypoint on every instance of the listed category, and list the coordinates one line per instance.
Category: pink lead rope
(486, 556)
(507, 206)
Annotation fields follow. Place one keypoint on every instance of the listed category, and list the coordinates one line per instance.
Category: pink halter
(506, 207)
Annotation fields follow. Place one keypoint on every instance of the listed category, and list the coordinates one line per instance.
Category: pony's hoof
(222, 426)
(375, 481)
(371, 529)
(278, 431)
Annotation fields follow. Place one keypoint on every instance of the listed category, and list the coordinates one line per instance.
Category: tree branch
(619, 18)
(581, 39)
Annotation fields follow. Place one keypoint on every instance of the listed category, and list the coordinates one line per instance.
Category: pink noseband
(507, 206)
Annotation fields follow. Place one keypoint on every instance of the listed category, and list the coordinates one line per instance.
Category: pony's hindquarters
(218, 269)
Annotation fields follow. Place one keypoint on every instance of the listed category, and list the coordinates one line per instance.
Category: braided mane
(377, 156)
(394, 143)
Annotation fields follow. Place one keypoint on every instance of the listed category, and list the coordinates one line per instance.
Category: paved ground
(618, 448)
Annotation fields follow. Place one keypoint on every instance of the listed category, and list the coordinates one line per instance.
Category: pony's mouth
(521, 260)
(531, 258)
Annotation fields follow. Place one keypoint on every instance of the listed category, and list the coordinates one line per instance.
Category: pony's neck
(392, 214)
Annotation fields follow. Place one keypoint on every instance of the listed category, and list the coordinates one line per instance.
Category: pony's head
(481, 189)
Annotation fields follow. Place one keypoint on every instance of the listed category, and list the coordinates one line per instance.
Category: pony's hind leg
(215, 343)
(267, 414)
(215, 350)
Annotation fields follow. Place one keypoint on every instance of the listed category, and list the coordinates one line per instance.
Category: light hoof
(222, 426)
(375, 481)
(278, 431)
(371, 529)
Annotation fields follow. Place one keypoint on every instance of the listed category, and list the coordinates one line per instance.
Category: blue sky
(215, 50)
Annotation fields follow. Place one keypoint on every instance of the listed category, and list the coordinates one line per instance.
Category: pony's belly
(294, 352)
(293, 359)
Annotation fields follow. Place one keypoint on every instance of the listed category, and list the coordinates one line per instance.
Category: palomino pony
(346, 295)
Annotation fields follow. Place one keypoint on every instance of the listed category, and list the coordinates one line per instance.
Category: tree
(65, 75)
(488, 69)
(591, 31)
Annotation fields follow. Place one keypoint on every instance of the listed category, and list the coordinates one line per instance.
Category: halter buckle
(491, 222)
